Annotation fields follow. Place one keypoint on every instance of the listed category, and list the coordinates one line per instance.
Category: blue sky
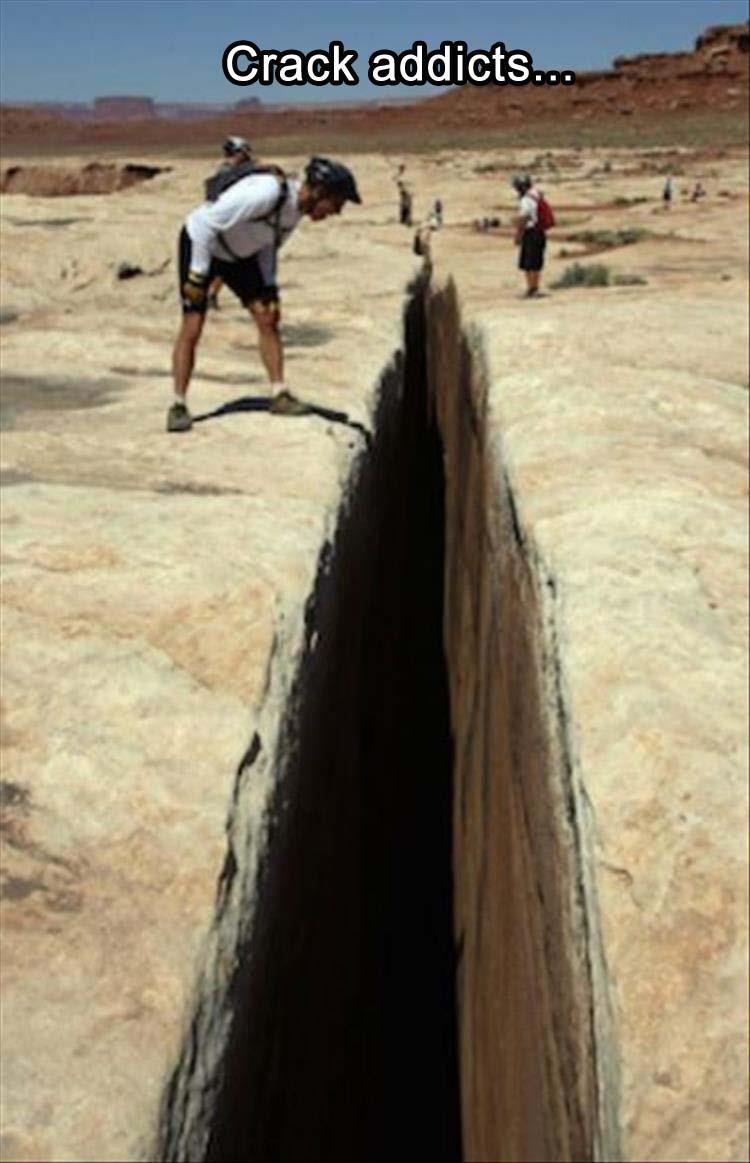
(74, 50)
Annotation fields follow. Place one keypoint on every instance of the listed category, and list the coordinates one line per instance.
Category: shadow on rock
(22, 395)
(263, 404)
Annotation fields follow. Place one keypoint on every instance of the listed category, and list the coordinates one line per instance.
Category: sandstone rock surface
(596, 459)
(153, 601)
(154, 594)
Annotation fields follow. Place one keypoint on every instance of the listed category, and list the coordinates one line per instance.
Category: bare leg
(183, 354)
(267, 317)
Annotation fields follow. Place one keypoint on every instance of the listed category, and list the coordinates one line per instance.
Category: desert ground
(155, 585)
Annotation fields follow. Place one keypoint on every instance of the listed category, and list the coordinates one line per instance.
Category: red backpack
(545, 215)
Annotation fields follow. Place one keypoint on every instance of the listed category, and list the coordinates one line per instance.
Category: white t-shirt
(231, 215)
(528, 207)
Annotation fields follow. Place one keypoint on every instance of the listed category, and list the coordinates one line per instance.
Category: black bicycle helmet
(522, 183)
(332, 176)
(234, 145)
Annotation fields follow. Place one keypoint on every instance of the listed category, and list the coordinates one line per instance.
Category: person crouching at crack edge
(237, 152)
(531, 239)
(237, 237)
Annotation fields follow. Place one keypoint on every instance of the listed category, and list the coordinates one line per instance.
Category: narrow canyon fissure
(407, 965)
(344, 1032)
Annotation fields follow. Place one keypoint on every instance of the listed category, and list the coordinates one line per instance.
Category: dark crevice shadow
(343, 1038)
(263, 404)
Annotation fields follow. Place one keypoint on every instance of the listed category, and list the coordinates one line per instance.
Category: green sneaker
(285, 404)
(179, 418)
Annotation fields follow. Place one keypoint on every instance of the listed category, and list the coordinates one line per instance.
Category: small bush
(611, 238)
(595, 275)
(629, 201)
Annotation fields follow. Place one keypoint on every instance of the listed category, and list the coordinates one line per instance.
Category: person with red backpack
(237, 237)
(534, 219)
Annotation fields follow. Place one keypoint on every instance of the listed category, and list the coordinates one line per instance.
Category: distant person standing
(404, 204)
(437, 211)
(667, 193)
(237, 152)
(529, 236)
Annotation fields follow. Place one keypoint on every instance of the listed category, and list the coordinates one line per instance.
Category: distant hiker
(422, 239)
(237, 237)
(236, 152)
(437, 213)
(404, 204)
(532, 222)
(667, 193)
(698, 192)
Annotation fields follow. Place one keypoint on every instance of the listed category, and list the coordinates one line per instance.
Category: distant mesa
(139, 108)
(726, 38)
(124, 108)
(720, 49)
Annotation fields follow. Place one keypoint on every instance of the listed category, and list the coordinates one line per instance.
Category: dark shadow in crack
(263, 404)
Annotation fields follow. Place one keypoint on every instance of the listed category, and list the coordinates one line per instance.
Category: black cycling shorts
(533, 243)
(243, 277)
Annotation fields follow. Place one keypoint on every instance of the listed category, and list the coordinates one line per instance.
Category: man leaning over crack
(237, 238)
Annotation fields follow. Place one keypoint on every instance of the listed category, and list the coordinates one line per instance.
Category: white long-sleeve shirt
(232, 214)
(528, 208)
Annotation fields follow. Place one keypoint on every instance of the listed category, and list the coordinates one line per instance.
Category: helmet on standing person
(521, 183)
(234, 145)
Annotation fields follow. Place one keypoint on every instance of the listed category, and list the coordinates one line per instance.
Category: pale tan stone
(617, 420)
(154, 590)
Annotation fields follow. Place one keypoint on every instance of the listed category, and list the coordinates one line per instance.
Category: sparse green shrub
(628, 201)
(594, 275)
(611, 238)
